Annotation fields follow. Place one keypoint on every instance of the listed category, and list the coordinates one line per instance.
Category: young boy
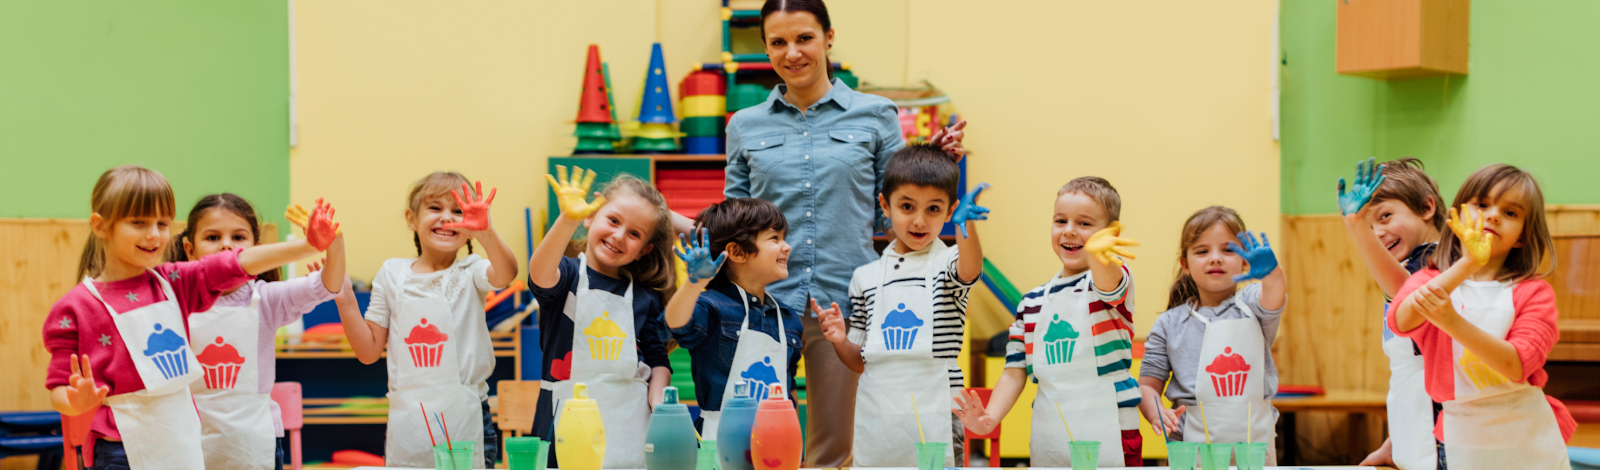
(733, 330)
(1090, 299)
(1396, 232)
(908, 310)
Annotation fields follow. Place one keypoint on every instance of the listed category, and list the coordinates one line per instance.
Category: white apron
(900, 365)
(235, 418)
(159, 426)
(1069, 376)
(1495, 423)
(424, 349)
(605, 356)
(1236, 350)
(754, 347)
(1410, 408)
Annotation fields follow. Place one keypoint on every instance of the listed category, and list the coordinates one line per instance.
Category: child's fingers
(492, 192)
(1122, 252)
(588, 179)
(561, 174)
(553, 184)
(76, 371)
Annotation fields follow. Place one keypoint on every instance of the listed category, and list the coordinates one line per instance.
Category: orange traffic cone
(593, 104)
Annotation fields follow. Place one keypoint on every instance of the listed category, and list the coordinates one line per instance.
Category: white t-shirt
(463, 286)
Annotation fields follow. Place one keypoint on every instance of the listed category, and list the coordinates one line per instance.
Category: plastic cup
(1182, 455)
(1251, 455)
(930, 455)
(1085, 455)
(1215, 456)
(707, 459)
(527, 453)
(444, 458)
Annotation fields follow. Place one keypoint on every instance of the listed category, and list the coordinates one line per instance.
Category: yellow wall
(1170, 101)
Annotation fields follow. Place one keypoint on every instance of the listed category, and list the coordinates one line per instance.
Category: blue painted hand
(968, 209)
(1258, 254)
(698, 257)
(1367, 181)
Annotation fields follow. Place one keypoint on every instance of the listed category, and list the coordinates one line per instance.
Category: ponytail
(1184, 290)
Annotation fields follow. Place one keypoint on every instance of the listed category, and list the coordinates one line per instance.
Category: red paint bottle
(775, 442)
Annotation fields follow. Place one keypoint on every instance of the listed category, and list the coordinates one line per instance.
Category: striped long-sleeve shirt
(1112, 317)
(907, 270)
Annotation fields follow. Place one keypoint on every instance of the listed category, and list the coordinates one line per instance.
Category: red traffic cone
(593, 104)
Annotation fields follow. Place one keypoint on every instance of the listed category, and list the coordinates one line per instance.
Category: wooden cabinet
(1395, 39)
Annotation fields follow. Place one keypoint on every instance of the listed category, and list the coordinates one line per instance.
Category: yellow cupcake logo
(1479, 373)
(605, 338)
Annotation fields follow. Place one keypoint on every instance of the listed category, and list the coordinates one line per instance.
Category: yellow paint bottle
(580, 435)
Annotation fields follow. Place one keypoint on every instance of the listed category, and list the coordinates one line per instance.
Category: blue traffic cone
(656, 107)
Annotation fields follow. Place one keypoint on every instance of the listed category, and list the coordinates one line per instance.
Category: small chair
(518, 401)
(74, 434)
(287, 394)
(993, 436)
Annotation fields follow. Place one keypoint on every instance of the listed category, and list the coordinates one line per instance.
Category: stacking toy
(580, 436)
(669, 442)
(775, 442)
(733, 433)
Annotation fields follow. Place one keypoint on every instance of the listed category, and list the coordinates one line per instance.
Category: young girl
(120, 335)
(428, 311)
(1215, 339)
(1485, 325)
(239, 421)
(611, 293)
(1393, 217)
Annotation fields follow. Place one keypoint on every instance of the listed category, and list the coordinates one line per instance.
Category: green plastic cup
(1215, 456)
(1182, 455)
(707, 458)
(1251, 455)
(930, 455)
(527, 453)
(455, 456)
(1085, 455)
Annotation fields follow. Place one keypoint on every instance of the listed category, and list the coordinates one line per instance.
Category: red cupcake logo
(221, 362)
(426, 343)
(1228, 372)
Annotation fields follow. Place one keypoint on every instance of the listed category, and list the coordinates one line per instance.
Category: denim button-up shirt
(712, 337)
(824, 169)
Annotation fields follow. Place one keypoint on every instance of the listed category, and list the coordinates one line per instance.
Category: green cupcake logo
(1060, 340)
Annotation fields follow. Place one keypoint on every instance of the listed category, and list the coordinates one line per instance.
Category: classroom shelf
(345, 410)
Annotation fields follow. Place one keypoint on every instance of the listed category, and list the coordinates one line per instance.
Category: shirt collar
(840, 95)
(726, 287)
(934, 247)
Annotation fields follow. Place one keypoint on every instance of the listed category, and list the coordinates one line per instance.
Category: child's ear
(883, 204)
(97, 224)
(1432, 207)
(735, 254)
(411, 221)
(951, 213)
(188, 250)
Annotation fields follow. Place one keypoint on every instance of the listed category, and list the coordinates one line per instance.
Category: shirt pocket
(729, 343)
(765, 151)
(852, 146)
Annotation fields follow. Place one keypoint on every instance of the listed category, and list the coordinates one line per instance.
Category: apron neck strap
(166, 288)
(745, 301)
(583, 279)
(933, 248)
(1236, 302)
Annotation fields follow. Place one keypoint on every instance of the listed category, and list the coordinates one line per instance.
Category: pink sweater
(79, 323)
(1533, 333)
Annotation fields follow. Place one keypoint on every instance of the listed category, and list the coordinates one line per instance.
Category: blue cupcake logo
(169, 351)
(900, 329)
(763, 373)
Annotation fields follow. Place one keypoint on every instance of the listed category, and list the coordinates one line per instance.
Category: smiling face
(1077, 216)
(429, 220)
(1211, 263)
(769, 264)
(134, 242)
(797, 46)
(620, 232)
(217, 231)
(1504, 213)
(917, 213)
(1399, 229)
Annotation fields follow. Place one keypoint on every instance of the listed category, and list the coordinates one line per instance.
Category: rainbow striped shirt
(1112, 315)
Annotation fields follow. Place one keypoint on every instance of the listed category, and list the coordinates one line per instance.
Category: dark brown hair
(1404, 181)
(436, 184)
(654, 269)
(739, 221)
(1489, 184)
(121, 192)
(1184, 290)
(1100, 190)
(815, 8)
(922, 165)
(222, 202)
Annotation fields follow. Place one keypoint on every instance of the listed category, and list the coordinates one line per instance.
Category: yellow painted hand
(1475, 242)
(572, 191)
(1108, 242)
(300, 217)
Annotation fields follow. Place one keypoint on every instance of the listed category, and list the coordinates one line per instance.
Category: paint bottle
(580, 436)
(733, 432)
(775, 442)
(669, 442)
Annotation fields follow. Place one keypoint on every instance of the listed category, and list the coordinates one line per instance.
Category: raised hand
(1475, 243)
(298, 215)
(1170, 417)
(949, 140)
(320, 228)
(1367, 181)
(698, 258)
(1108, 242)
(1258, 254)
(82, 393)
(832, 322)
(968, 209)
(570, 194)
(474, 210)
(969, 408)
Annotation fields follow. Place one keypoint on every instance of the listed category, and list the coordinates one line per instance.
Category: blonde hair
(122, 192)
(436, 184)
(1100, 190)
(1184, 290)
(654, 269)
(1490, 183)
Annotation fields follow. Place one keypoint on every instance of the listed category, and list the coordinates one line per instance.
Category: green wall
(198, 90)
(1531, 99)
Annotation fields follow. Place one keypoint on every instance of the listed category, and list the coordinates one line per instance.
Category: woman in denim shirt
(817, 149)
